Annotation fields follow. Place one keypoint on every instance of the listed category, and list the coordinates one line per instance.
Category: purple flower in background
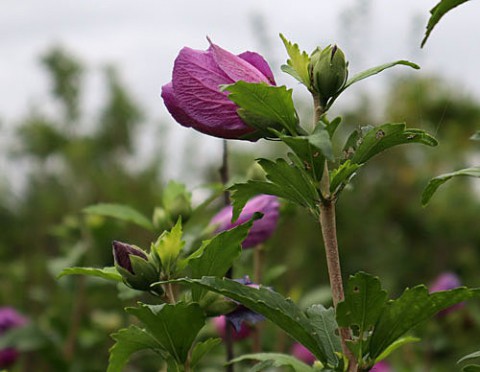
(221, 323)
(194, 98)
(382, 366)
(445, 282)
(302, 353)
(262, 229)
(9, 318)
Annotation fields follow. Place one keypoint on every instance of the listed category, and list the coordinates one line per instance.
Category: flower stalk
(328, 226)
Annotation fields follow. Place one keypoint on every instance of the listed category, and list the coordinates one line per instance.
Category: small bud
(135, 267)
(214, 304)
(328, 71)
(161, 219)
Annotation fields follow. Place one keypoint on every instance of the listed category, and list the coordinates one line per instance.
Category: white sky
(142, 39)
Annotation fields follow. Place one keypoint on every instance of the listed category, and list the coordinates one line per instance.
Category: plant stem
(170, 294)
(258, 255)
(329, 232)
(224, 176)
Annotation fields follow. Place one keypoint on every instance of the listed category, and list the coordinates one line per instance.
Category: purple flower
(9, 318)
(221, 323)
(445, 282)
(194, 98)
(302, 353)
(262, 229)
(382, 366)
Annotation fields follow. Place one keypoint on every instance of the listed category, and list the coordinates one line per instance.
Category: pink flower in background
(262, 229)
(382, 366)
(9, 318)
(193, 97)
(220, 323)
(445, 282)
(302, 353)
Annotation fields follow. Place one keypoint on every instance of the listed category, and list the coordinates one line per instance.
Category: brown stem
(170, 294)
(224, 176)
(258, 255)
(329, 232)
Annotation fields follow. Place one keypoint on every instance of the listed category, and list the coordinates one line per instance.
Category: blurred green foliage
(382, 227)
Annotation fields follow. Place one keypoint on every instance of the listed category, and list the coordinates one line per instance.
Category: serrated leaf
(297, 64)
(323, 320)
(277, 360)
(386, 136)
(286, 181)
(412, 308)
(128, 341)
(109, 273)
(168, 246)
(121, 212)
(342, 174)
(173, 326)
(273, 306)
(438, 181)
(264, 106)
(376, 70)
(437, 13)
(470, 356)
(217, 255)
(364, 303)
(394, 346)
(311, 150)
(203, 348)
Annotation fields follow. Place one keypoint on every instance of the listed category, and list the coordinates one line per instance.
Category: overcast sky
(142, 39)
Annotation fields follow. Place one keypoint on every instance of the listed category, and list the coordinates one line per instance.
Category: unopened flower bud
(328, 71)
(134, 265)
(214, 304)
(161, 219)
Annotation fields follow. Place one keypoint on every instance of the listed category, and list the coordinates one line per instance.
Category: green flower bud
(328, 72)
(161, 219)
(135, 267)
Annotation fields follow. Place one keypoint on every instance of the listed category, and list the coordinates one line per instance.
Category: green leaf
(277, 359)
(394, 346)
(176, 198)
(333, 125)
(471, 368)
(436, 182)
(121, 212)
(286, 181)
(264, 106)
(412, 308)
(128, 341)
(203, 348)
(364, 303)
(173, 326)
(109, 273)
(312, 150)
(168, 246)
(323, 320)
(297, 64)
(342, 175)
(281, 311)
(217, 255)
(437, 13)
(375, 70)
(387, 136)
(470, 356)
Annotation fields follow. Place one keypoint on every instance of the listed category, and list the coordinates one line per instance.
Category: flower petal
(257, 61)
(196, 80)
(173, 107)
(235, 67)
